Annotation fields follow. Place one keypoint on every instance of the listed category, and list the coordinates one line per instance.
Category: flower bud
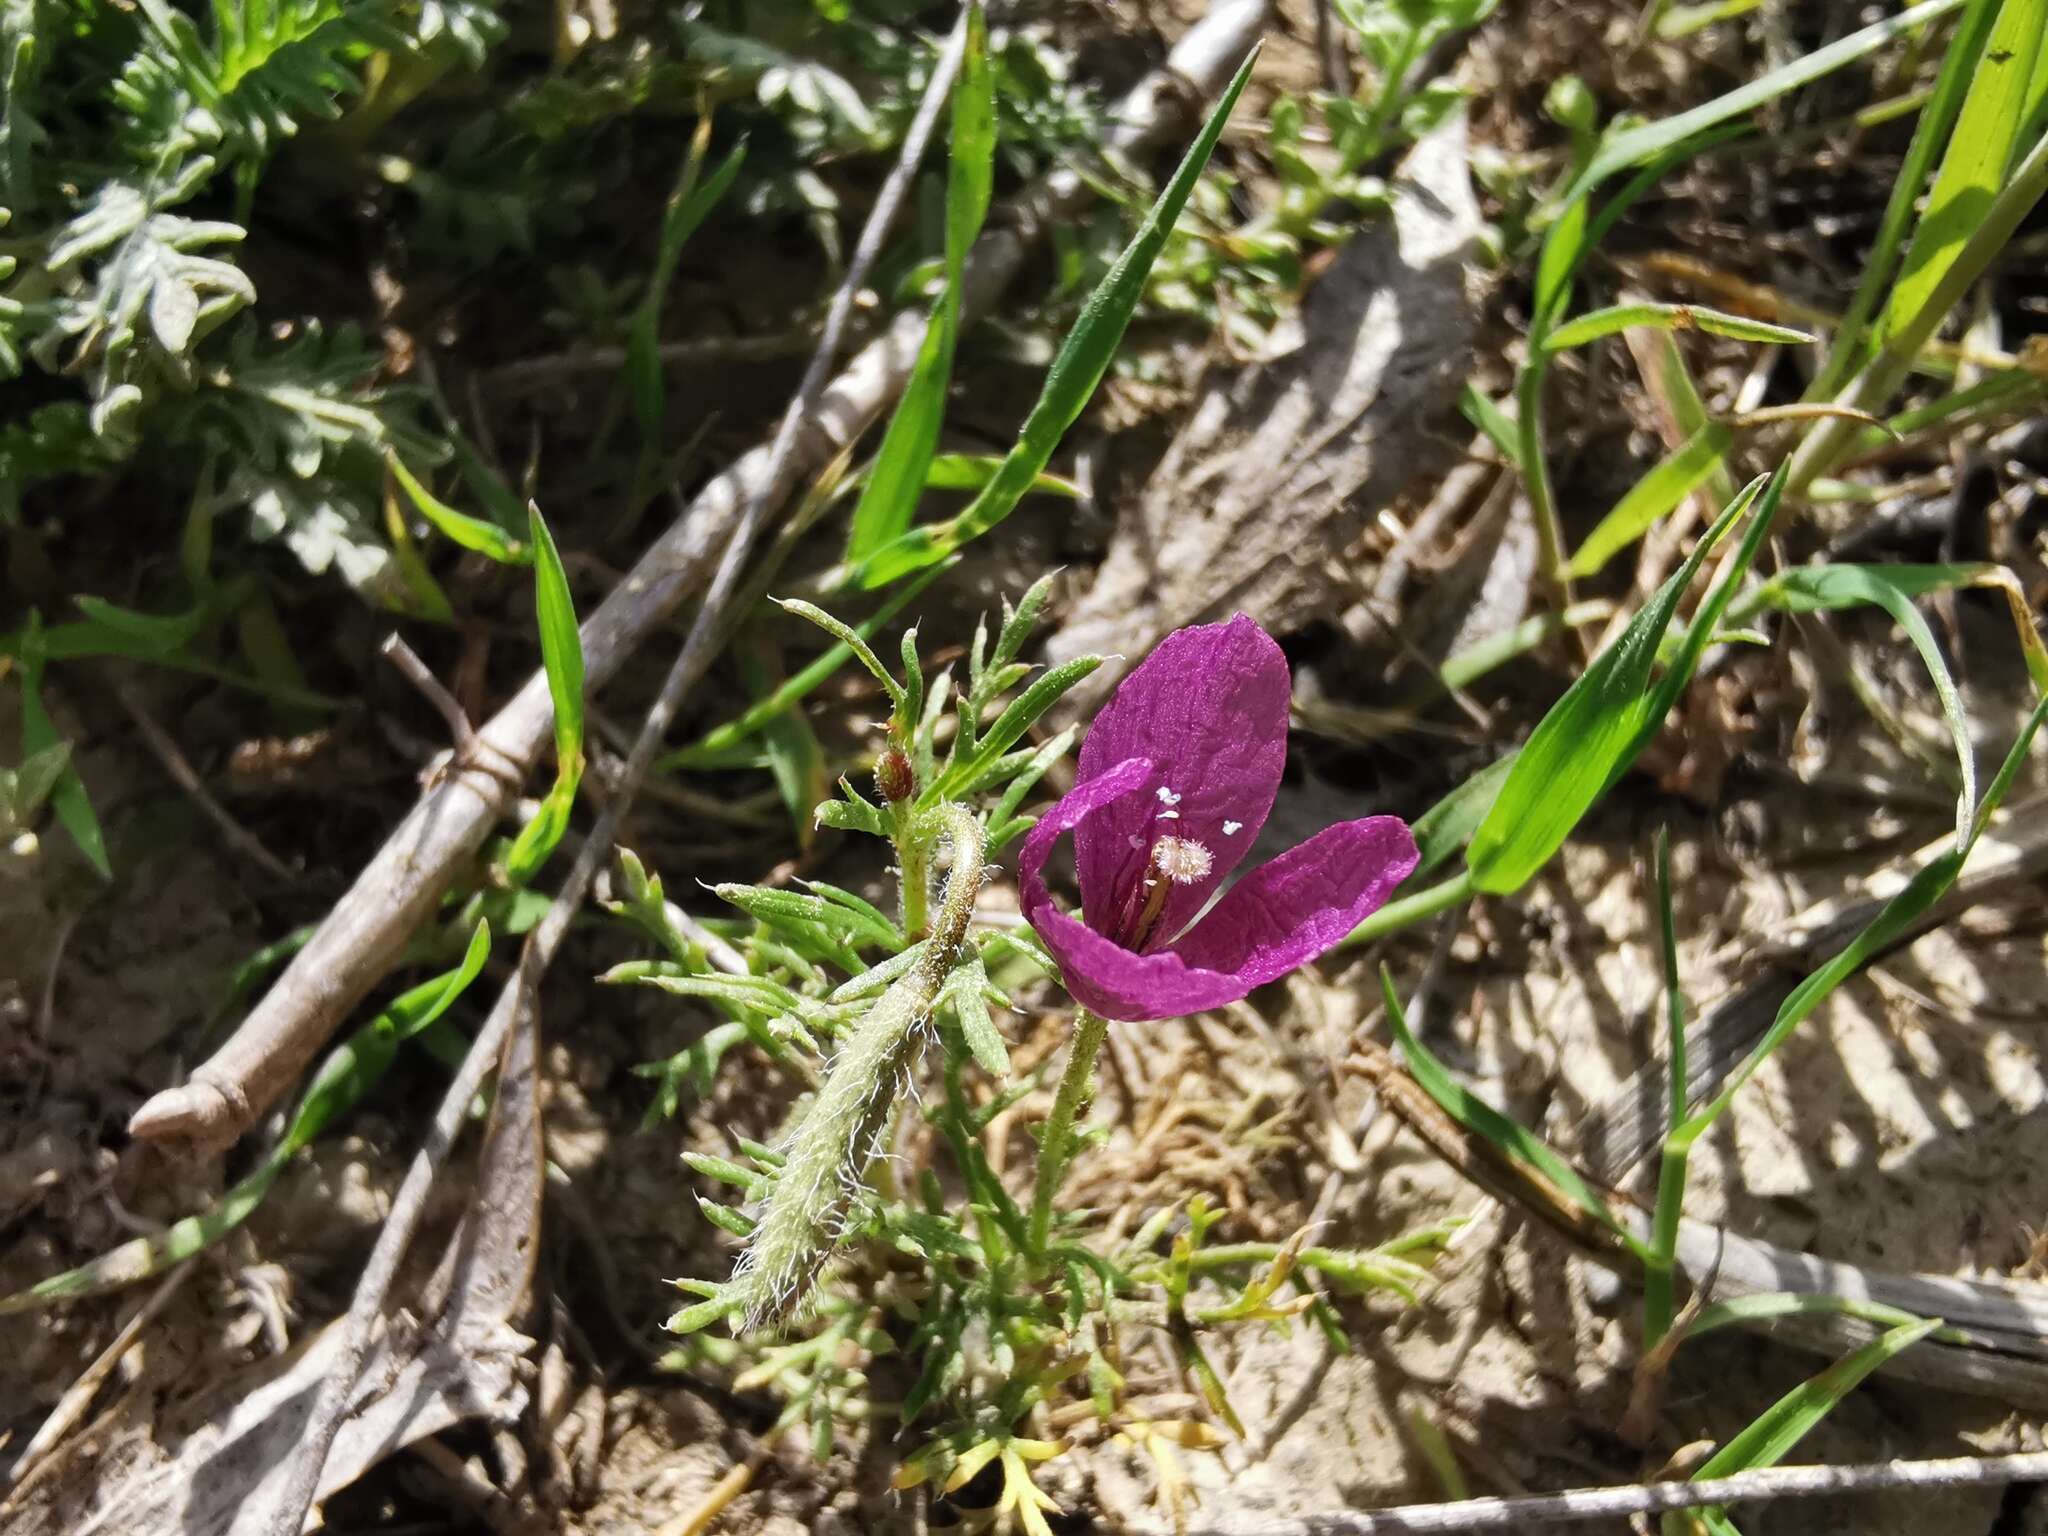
(895, 779)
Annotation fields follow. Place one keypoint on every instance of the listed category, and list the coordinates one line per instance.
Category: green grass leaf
(1446, 827)
(1482, 1119)
(973, 471)
(1653, 498)
(688, 206)
(348, 1073)
(1658, 1308)
(889, 499)
(1594, 324)
(1805, 589)
(1591, 734)
(473, 533)
(1927, 886)
(1773, 1434)
(1083, 358)
(561, 654)
(1980, 152)
(1479, 408)
(1852, 342)
(1766, 1305)
(1638, 146)
(561, 643)
(161, 634)
(67, 797)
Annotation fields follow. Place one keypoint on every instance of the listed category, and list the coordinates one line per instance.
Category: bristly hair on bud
(895, 779)
(830, 1147)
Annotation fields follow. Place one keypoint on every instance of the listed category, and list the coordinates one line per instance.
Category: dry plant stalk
(1577, 1505)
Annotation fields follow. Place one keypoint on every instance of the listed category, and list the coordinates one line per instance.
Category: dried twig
(174, 762)
(1575, 1505)
(533, 373)
(401, 887)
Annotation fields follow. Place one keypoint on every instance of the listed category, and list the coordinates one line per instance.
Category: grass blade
(1979, 154)
(561, 654)
(889, 499)
(1773, 1434)
(688, 206)
(1653, 498)
(67, 797)
(1669, 317)
(1069, 384)
(1482, 1119)
(1927, 886)
(1591, 734)
(1658, 1309)
(1638, 146)
(473, 533)
(1834, 587)
(1852, 344)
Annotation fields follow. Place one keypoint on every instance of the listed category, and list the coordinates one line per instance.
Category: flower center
(1174, 861)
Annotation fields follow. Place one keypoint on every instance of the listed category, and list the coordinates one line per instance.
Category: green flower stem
(1077, 1087)
(913, 858)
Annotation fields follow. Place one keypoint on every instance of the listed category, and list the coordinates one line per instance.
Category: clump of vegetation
(144, 340)
(1008, 1307)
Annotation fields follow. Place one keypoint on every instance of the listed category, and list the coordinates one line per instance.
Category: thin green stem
(1406, 911)
(1077, 1087)
(1658, 1303)
(1374, 137)
(1536, 472)
(913, 857)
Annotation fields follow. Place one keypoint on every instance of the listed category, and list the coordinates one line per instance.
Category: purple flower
(1177, 775)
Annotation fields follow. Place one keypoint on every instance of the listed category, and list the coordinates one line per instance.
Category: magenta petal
(1209, 708)
(1086, 799)
(1104, 976)
(1291, 909)
(1100, 973)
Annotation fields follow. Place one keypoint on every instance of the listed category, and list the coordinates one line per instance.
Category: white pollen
(1166, 796)
(1167, 816)
(1181, 860)
(1232, 828)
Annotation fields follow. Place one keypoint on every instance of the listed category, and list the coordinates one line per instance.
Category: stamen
(1181, 860)
(1174, 861)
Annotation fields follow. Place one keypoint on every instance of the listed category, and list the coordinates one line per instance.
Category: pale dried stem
(172, 758)
(402, 885)
(1581, 1504)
